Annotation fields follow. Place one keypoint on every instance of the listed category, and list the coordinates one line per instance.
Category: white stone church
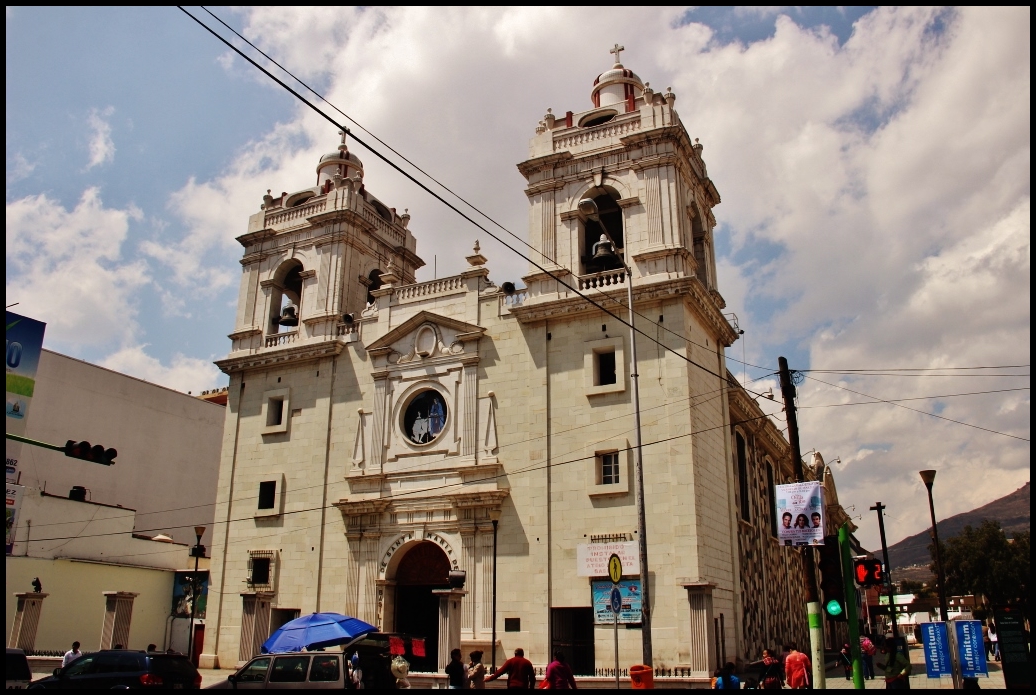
(378, 429)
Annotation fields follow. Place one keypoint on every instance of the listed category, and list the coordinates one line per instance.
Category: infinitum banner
(24, 344)
(800, 514)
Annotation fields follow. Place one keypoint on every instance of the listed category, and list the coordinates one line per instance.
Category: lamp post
(494, 516)
(197, 551)
(589, 208)
(928, 477)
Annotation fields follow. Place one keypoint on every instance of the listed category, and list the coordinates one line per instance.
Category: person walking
(797, 669)
(869, 650)
(726, 680)
(476, 671)
(559, 675)
(846, 656)
(71, 655)
(456, 672)
(986, 643)
(994, 638)
(897, 667)
(520, 673)
(770, 671)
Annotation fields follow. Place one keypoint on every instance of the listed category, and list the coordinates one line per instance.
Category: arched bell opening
(423, 568)
(595, 256)
(374, 283)
(286, 298)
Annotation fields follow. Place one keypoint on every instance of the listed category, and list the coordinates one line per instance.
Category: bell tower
(631, 155)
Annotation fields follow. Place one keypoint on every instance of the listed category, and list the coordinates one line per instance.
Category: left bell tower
(313, 257)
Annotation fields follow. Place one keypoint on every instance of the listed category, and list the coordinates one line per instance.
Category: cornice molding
(271, 356)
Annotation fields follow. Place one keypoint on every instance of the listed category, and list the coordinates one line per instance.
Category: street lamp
(928, 477)
(589, 208)
(197, 551)
(494, 516)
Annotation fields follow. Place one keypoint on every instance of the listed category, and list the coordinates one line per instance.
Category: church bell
(288, 317)
(604, 251)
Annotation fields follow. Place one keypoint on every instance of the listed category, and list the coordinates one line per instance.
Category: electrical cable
(911, 369)
(916, 398)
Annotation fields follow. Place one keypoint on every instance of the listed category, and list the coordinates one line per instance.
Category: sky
(873, 165)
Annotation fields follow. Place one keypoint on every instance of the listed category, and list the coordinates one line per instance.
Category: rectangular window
(512, 624)
(275, 412)
(742, 476)
(260, 570)
(609, 464)
(771, 494)
(268, 494)
(605, 368)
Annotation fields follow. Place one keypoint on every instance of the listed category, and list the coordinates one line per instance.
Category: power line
(911, 369)
(916, 398)
(442, 200)
(901, 374)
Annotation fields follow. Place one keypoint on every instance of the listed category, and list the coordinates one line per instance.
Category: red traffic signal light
(93, 454)
(868, 571)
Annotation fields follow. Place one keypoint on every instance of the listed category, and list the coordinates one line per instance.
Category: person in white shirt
(71, 655)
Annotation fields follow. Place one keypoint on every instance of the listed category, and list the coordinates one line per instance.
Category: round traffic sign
(616, 600)
(614, 568)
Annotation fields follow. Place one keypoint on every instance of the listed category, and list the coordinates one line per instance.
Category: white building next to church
(378, 427)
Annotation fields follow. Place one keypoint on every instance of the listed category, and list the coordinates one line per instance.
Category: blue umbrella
(316, 631)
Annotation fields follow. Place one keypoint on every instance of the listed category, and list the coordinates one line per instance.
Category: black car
(124, 669)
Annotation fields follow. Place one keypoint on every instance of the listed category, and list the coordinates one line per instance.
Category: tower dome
(340, 162)
(617, 85)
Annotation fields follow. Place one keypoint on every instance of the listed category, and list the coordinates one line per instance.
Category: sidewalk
(919, 680)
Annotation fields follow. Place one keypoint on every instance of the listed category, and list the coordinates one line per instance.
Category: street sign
(614, 569)
(616, 600)
(970, 649)
(1014, 648)
(936, 642)
(868, 571)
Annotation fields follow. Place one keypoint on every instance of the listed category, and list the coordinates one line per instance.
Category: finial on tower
(343, 147)
(617, 50)
(476, 260)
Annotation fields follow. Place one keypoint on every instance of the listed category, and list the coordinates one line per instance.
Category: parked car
(324, 670)
(18, 673)
(124, 669)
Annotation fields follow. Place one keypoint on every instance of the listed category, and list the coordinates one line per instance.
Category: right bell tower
(631, 154)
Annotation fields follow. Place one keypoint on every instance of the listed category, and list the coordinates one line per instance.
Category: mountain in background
(1011, 511)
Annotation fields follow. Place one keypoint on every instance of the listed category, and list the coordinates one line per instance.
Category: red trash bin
(642, 677)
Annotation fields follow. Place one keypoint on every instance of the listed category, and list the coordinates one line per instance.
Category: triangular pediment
(461, 329)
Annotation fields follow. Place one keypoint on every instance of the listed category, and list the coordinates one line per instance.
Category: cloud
(184, 374)
(102, 147)
(19, 168)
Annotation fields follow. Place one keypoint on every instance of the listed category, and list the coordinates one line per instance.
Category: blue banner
(971, 651)
(601, 592)
(24, 344)
(936, 641)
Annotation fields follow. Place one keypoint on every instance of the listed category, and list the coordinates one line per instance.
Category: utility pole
(879, 508)
(809, 578)
(846, 557)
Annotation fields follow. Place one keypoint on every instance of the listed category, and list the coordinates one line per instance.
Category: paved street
(919, 680)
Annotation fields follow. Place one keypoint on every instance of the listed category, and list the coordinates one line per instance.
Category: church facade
(420, 455)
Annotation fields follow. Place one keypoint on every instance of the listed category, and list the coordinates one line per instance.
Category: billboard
(800, 513)
(601, 591)
(592, 558)
(971, 651)
(184, 596)
(24, 344)
(936, 642)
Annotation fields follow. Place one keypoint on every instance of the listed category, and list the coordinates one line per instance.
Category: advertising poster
(184, 594)
(24, 344)
(1014, 646)
(601, 592)
(800, 513)
(936, 642)
(592, 558)
(14, 503)
(970, 650)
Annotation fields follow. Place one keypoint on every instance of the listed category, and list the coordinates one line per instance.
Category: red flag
(396, 646)
(417, 646)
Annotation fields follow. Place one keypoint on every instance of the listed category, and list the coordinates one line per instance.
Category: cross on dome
(617, 50)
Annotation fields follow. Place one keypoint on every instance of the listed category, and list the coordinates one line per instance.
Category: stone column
(26, 621)
(449, 622)
(368, 594)
(703, 642)
(485, 581)
(118, 613)
(467, 537)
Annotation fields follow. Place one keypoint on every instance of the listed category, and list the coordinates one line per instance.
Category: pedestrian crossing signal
(868, 571)
(93, 454)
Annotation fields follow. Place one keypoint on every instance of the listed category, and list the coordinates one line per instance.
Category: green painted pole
(33, 442)
(850, 605)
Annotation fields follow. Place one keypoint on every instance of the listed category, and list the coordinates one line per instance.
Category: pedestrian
(994, 638)
(152, 648)
(726, 680)
(357, 672)
(559, 675)
(897, 667)
(869, 650)
(770, 671)
(71, 655)
(986, 643)
(456, 672)
(519, 670)
(476, 671)
(847, 661)
(797, 669)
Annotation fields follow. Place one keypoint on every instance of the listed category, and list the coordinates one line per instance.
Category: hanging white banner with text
(800, 513)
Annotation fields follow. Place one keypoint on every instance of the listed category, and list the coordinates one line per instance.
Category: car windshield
(255, 672)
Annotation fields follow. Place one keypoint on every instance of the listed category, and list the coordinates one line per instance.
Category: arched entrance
(424, 568)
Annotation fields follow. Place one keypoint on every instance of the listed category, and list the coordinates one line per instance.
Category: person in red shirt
(797, 669)
(520, 673)
(558, 674)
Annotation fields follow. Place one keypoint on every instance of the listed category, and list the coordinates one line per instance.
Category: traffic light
(868, 572)
(831, 583)
(93, 454)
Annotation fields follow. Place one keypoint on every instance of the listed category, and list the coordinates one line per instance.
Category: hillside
(1011, 511)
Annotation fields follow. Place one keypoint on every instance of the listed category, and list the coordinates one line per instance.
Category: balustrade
(608, 278)
(281, 339)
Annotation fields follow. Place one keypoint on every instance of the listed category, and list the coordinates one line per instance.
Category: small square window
(609, 466)
(268, 494)
(512, 624)
(274, 412)
(605, 368)
(260, 571)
